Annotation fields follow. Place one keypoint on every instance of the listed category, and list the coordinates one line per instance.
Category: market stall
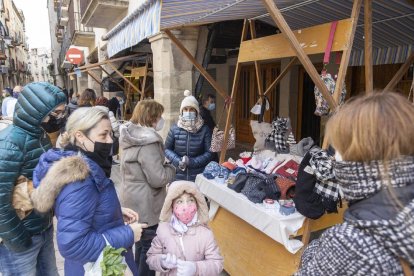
(255, 240)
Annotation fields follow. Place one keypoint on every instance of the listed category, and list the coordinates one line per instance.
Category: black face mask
(53, 124)
(101, 154)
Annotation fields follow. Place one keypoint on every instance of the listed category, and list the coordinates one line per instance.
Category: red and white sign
(74, 56)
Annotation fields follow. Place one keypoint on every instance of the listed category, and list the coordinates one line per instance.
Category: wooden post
(256, 63)
(94, 77)
(400, 73)
(122, 76)
(356, 8)
(232, 99)
(369, 82)
(199, 67)
(145, 79)
(307, 224)
(281, 75)
(304, 59)
(109, 75)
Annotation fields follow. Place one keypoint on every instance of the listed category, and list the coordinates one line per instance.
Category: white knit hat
(190, 101)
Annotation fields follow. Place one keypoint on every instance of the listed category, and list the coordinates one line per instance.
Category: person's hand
(137, 229)
(185, 268)
(130, 216)
(182, 166)
(168, 261)
(185, 160)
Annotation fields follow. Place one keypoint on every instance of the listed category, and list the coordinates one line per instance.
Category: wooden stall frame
(400, 73)
(369, 79)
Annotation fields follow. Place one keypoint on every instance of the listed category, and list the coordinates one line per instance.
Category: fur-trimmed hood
(58, 168)
(176, 189)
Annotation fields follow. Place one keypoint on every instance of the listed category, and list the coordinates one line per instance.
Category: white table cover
(270, 222)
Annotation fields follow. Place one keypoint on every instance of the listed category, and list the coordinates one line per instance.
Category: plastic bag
(94, 268)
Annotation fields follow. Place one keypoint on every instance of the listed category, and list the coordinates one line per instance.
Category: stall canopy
(393, 21)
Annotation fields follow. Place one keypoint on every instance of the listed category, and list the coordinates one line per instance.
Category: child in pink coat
(184, 244)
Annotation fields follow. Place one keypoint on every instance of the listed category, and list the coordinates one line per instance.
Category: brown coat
(143, 171)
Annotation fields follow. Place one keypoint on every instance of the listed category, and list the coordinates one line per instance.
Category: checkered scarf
(279, 134)
(190, 125)
(362, 180)
(322, 165)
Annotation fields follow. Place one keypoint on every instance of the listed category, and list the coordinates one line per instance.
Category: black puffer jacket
(195, 145)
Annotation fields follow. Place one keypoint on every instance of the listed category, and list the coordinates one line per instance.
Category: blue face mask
(211, 106)
(189, 115)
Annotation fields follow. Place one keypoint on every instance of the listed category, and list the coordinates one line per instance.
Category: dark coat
(86, 207)
(196, 146)
(208, 119)
(21, 145)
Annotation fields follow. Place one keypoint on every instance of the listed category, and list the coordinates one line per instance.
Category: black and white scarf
(363, 180)
(322, 165)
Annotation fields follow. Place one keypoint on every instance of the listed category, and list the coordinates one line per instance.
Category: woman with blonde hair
(75, 183)
(373, 136)
(144, 172)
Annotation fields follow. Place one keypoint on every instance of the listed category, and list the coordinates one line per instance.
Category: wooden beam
(94, 77)
(94, 65)
(306, 231)
(109, 76)
(340, 81)
(145, 79)
(232, 99)
(369, 81)
(400, 73)
(312, 40)
(304, 59)
(256, 63)
(281, 75)
(122, 76)
(199, 67)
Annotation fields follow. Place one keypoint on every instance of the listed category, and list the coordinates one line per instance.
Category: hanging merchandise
(316, 191)
(260, 107)
(278, 138)
(322, 106)
(260, 132)
(217, 137)
(217, 140)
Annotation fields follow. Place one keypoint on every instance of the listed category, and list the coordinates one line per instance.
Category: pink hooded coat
(197, 244)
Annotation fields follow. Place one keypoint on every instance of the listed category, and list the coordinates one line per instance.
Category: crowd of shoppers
(160, 210)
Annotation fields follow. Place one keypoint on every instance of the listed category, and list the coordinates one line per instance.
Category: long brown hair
(379, 126)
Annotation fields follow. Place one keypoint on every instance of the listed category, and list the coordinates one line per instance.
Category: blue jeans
(141, 249)
(38, 260)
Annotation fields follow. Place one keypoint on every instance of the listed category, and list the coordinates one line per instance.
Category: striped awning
(393, 21)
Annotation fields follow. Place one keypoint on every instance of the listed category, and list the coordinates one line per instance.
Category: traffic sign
(74, 56)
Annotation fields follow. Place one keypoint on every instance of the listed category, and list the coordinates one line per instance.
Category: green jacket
(21, 145)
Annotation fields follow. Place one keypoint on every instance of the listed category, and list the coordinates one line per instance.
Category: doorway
(248, 95)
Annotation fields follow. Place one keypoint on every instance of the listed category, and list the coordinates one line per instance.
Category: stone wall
(172, 72)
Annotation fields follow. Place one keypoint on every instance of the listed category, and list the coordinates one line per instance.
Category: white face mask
(160, 124)
(338, 156)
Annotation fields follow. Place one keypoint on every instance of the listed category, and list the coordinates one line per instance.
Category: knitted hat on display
(189, 101)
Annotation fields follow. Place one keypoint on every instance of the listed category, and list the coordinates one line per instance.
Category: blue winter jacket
(86, 207)
(21, 145)
(196, 146)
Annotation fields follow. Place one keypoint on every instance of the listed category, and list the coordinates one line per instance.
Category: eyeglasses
(59, 114)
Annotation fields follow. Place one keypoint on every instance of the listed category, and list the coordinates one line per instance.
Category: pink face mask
(185, 212)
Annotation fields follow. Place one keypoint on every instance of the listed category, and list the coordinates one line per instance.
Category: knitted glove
(185, 268)
(168, 261)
